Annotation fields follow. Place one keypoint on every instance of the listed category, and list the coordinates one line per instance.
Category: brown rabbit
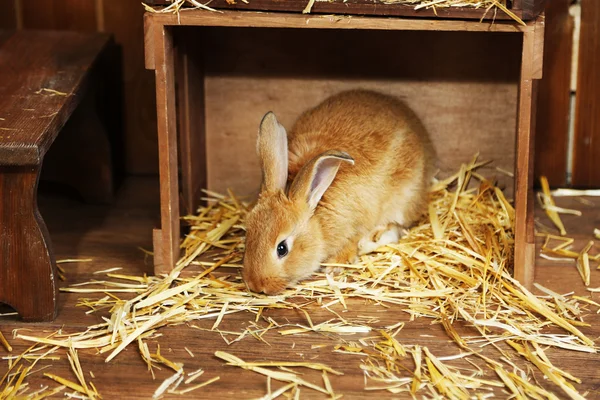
(349, 174)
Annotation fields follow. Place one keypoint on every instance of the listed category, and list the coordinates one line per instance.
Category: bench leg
(27, 262)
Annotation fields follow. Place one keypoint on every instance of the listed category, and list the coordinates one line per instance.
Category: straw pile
(453, 268)
(178, 5)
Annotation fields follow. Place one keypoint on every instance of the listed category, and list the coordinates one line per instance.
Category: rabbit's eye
(282, 249)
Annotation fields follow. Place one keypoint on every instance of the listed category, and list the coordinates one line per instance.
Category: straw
(453, 268)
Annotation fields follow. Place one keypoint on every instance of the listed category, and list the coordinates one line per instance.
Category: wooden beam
(168, 244)
(524, 9)
(290, 20)
(586, 170)
(552, 120)
(524, 258)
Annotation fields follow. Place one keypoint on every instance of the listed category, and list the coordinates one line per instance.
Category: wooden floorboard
(113, 237)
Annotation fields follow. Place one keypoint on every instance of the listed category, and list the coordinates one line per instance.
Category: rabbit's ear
(272, 147)
(314, 178)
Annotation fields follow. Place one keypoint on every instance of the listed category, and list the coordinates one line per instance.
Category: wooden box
(472, 83)
(526, 10)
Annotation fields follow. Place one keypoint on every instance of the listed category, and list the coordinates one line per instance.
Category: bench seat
(44, 77)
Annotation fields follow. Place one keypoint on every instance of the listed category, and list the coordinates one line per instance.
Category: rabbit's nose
(253, 287)
(256, 286)
(265, 286)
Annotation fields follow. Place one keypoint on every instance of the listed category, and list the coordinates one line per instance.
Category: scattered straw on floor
(179, 5)
(559, 248)
(453, 268)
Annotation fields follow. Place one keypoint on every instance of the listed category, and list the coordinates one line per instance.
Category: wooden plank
(524, 257)
(8, 16)
(125, 20)
(167, 144)
(148, 41)
(552, 119)
(289, 20)
(32, 114)
(191, 115)
(79, 15)
(537, 67)
(27, 263)
(379, 8)
(586, 172)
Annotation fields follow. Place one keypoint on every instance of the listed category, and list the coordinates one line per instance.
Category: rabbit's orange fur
(387, 184)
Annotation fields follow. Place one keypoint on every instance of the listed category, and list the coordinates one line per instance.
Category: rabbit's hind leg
(380, 236)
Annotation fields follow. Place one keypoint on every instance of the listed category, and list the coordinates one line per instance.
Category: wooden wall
(123, 18)
(554, 106)
(463, 86)
(586, 167)
(554, 95)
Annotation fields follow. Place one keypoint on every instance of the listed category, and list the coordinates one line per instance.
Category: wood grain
(42, 79)
(526, 10)
(149, 41)
(111, 235)
(586, 172)
(27, 264)
(524, 255)
(290, 20)
(467, 101)
(167, 144)
(31, 116)
(79, 15)
(553, 109)
(125, 20)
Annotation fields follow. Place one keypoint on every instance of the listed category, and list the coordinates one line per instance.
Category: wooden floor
(113, 235)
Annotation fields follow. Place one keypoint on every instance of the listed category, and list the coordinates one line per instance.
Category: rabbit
(347, 177)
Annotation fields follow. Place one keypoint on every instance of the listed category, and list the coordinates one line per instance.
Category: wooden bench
(45, 84)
